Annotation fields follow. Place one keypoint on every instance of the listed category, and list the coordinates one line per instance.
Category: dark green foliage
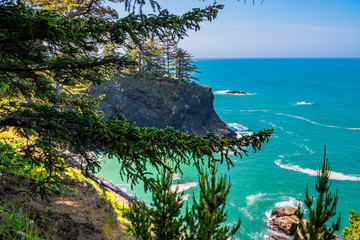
(48, 60)
(138, 215)
(354, 231)
(166, 223)
(184, 66)
(321, 209)
(205, 218)
(163, 219)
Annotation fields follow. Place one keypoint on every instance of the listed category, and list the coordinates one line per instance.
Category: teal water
(308, 103)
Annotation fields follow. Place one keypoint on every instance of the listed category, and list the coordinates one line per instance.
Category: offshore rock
(284, 220)
(188, 107)
(236, 92)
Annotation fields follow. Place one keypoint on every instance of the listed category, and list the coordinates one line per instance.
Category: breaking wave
(312, 172)
(304, 103)
(183, 186)
(239, 129)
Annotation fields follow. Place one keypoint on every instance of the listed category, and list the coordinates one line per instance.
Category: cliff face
(187, 108)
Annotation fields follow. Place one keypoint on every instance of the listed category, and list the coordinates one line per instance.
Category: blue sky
(275, 29)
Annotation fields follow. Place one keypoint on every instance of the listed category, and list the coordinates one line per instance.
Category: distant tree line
(160, 59)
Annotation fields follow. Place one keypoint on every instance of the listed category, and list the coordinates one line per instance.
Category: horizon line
(225, 58)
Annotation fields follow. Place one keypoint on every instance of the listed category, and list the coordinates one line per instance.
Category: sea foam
(312, 172)
(239, 129)
(319, 124)
(183, 186)
(304, 103)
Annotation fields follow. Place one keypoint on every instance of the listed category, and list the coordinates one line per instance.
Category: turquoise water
(308, 103)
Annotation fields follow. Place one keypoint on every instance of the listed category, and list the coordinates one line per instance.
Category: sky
(275, 29)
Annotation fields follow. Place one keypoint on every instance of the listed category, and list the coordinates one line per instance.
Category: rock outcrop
(276, 237)
(236, 93)
(284, 220)
(187, 108)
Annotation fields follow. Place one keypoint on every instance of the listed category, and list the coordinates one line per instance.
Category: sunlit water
(308, 103)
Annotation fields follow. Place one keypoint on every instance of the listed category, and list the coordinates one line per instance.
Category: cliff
(187, 108)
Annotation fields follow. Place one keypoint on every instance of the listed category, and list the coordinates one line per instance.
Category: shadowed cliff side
(188, 107)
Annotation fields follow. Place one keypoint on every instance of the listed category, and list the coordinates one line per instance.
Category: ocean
(309, 103)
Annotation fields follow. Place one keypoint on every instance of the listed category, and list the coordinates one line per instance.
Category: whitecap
(304, 103)
(289, 202)
(239, 129)
(176, 176)
(185, 197)
(312, 172)
(183, 186)
(319, 124)
(253, 198)
(253, 110)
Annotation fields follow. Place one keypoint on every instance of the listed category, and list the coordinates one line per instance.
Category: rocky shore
(284, 221)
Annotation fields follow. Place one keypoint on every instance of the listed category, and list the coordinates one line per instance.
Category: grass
(15, 222)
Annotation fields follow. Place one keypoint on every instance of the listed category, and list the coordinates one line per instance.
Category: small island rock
(237, 92)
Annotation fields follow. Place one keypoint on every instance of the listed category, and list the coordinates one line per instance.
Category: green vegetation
(15, 222)
(202, 221)
(320, 211)
(354, 231)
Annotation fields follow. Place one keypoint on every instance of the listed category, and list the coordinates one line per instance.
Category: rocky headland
(188, 107)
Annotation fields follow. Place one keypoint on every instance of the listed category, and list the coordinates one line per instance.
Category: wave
(239, 129)
(253, 110)
(319, 124)
(226, 92)
(185, 197)
(183, 186)
(312, 172)
(253, 198)
(176, 176)
(304, 103)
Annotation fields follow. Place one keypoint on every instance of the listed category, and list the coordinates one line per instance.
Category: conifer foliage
(203, 221)
(320, 210)
(205, 218)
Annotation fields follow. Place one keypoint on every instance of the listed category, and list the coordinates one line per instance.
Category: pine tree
(320, 210)
(165, 214)
(138, 215)
(184, 66)
(163, 218)
(205, 218)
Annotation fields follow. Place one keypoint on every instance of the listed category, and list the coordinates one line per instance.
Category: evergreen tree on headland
(184, 66)
(203, 221)
(320, 210)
